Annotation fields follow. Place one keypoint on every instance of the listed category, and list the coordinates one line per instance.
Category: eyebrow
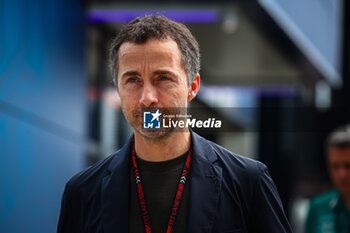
(157, 72)
(160, 72)
(131, 73)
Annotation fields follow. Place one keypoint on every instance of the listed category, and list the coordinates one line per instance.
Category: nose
(149, 96)
(342, 173)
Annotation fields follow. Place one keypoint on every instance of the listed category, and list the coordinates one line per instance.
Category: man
(329, 212)
(167, 180)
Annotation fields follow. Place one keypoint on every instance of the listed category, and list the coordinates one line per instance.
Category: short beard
(153, 135)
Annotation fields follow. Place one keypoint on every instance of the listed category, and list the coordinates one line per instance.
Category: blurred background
(285, 62)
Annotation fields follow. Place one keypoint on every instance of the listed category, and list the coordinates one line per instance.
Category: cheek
(334, 172)
(177, 98)
(182, 94)
(127, 105)
(128, 98)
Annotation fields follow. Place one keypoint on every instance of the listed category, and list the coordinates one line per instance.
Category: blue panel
(42, 110)
(42, 46)
(35, 165)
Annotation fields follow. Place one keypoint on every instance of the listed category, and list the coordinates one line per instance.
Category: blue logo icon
(151, 120)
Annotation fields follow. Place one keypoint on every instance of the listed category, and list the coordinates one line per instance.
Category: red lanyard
(178, 196)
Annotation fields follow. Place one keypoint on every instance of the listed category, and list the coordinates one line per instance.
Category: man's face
(339, 166)
(150, 75)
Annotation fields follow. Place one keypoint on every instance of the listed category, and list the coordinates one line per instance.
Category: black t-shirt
(160, 181)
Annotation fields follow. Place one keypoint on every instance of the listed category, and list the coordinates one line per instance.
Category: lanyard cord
(177, 200)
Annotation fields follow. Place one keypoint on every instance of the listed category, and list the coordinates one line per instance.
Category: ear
(194, 88)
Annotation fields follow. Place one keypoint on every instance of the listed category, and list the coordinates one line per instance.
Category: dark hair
(340, 137)
(159, 27)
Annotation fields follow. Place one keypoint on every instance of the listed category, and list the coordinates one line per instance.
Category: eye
(132, 80)
(163, 78)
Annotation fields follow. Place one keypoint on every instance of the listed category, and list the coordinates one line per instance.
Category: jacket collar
(206, 179)
(115, 192)
(205, 187)
(336, 203)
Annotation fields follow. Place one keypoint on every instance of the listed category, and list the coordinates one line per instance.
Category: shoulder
(321, 210)
(89, 179)
(211, 151)
(238, 172)
(91, 172)
(325, 200)
(248, 181)
(96, 172)
(238, 163)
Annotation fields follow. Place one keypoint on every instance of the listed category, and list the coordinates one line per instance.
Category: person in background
(329, 212)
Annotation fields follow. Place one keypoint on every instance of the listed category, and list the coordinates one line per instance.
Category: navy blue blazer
(228, 193)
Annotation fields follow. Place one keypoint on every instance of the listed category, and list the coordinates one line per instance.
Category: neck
(168, 148)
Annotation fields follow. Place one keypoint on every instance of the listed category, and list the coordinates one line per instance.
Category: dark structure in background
(293, 131)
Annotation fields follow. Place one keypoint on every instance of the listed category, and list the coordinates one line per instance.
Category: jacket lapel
(206, 179)
(115, 193)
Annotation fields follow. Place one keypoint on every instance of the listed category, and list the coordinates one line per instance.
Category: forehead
(339, 153)
(152, 50)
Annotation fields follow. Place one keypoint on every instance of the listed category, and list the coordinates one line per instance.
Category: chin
(153, 134)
